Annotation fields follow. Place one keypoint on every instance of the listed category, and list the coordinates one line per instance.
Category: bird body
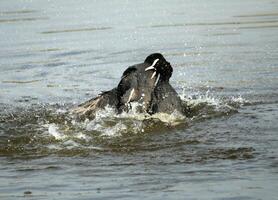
(146, 83)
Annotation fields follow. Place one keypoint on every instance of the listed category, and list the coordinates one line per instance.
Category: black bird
(146, 83)
(164, 98)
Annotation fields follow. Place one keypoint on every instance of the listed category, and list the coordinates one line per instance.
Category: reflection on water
(20, 82)
(57, 54)
(22, 19)
(17, 12)
(76, 30)
(218, 23)
(259, 15)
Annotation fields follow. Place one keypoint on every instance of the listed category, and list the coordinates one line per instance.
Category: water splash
(52, 128)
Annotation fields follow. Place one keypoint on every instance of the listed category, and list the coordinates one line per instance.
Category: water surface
(56, 54)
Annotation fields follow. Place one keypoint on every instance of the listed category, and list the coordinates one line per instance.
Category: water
(56, 54)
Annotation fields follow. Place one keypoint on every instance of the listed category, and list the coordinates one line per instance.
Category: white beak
(157, 79)
(152, 66)
(153, 74)
(130, 96)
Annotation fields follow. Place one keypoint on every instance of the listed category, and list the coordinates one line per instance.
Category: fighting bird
(146, 83)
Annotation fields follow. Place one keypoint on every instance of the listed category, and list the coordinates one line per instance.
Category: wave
(52, 129)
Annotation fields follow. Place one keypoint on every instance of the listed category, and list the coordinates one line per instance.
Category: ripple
(20, 82)
(22, 19)
(260, 27)
(258, 15)
(23, 11)
(76, 30)
(232, 153)
(214, 23)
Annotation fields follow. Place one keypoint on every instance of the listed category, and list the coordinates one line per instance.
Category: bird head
(162, 69)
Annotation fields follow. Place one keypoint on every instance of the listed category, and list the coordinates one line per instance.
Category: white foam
(53, 130)
(116, 130)
(133, 113)
(197, 98)
(105, 129)
(174, 118)
(70, 144)
(111, 124)
(239, 99)
(108, 111)
(82, 136)
(108, 123)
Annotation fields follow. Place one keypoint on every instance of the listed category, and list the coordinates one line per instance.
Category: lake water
(57, 54)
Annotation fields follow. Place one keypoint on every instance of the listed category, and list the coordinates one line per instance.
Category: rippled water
(56, 54)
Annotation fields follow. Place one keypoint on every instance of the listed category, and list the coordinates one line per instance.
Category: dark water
(56, 54)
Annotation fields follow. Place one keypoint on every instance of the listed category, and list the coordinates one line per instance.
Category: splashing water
(55, 129)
